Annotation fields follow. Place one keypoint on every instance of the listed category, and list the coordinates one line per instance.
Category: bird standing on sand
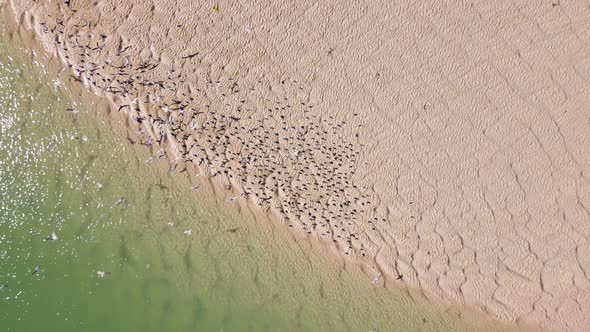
(377, 278)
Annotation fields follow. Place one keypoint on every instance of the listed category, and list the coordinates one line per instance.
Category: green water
(64, 173)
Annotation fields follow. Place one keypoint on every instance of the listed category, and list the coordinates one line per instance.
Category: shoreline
(453, 317)
(259, 258)
(414, 280)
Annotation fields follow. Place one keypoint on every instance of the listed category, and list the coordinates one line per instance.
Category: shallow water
(116, 210)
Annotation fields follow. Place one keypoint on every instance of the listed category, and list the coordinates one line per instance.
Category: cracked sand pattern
(469, 174)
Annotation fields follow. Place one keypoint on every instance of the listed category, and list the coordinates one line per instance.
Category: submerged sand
(446, 145)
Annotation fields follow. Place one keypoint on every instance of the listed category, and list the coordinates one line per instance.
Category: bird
(102, 274)
(376, 278)
(36, 270)
(190, 56)
(52, 237)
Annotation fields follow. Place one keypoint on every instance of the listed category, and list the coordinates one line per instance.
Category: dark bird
(190, 56)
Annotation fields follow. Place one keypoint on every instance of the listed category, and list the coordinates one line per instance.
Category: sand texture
(446, 144)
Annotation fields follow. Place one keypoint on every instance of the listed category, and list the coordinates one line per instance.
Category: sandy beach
(444, 145)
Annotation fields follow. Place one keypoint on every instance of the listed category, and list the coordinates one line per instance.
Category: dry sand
(448, 143)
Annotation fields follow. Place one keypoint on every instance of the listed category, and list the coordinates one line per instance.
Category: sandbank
(445, 145)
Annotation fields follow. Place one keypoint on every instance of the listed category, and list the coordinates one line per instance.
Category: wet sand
(445, 147)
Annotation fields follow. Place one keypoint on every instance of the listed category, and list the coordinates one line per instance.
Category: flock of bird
(272, 147)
